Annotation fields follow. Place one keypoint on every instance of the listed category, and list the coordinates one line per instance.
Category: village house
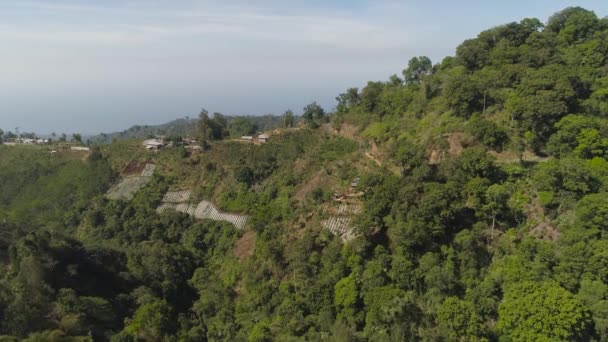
(263, 138)
(190, 141)
(247, 138)
(153, 144)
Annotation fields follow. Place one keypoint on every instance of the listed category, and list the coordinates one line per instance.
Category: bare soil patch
(316, 181)
(243, 247)
(134, 168)
(370, 156)
(545, 231)
(457, 143)
(349, 131)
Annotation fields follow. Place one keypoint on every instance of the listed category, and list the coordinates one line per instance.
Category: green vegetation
(482, 185)
(237, 126)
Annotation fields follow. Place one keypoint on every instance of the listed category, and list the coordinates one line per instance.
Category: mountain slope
(465, 201)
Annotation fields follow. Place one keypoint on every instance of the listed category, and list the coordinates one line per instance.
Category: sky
(101, 66)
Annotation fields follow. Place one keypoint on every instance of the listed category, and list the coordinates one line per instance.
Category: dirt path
(510, 157)
(369, 155)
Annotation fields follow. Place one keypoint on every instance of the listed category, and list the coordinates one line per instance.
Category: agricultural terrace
(178, 201)
(289, 175)
(126, 188)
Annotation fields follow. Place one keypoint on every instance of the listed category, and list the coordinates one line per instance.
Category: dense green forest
(482, 184)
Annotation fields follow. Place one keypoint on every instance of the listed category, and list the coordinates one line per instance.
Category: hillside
(239, 125)
(461, 201)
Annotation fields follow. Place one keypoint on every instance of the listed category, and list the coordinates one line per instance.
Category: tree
(569, 176)
(473, 54)
(569, 129)
(544, 96)
(77, 138)
(152, 321)
(459, 320)
(352, 97)
(473, 162)
(592, 212)
(462, 94)
(497, 196)
(245, 175)
(542, 312)
(573, 24)
(289, 119)
(1, 136)
(204, 128)
(395, 81)
(219, 126)
(417, 69)
(408, 156)
(370, 97)
(260, 333)
(598, 100)
(346, 295)
(313, 114)
(63, 137)
(591, 144)
(240, 126)
(348, 100)
(488, 133)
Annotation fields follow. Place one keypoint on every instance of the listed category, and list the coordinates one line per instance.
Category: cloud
(141, 24)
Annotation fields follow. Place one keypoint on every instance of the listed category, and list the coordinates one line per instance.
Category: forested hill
(517, 86)
(461, 201)
(238, 125)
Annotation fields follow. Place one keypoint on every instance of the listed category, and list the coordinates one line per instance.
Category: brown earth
(370, 156)
(349, 131)
(546, 231)
(243, 247)
(316, 181)
(134, 168)
(510, 157)
(300, 165)
(457, 142)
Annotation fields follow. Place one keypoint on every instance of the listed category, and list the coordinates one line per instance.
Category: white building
(153, 144)
(263, 138)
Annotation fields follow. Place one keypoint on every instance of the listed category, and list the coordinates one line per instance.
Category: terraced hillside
(126, 188)
(178, 201)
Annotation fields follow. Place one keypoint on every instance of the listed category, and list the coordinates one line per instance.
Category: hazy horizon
(103, 66)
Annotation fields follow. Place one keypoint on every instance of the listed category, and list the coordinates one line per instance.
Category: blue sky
(99, 66)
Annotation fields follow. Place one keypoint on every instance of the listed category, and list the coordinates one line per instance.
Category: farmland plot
(339, 226)
(148, 170)
(340, 222)
(178, 201)
(177, 196)
(349, 209)
(128, 186)
(185, 208)
(206, 210)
